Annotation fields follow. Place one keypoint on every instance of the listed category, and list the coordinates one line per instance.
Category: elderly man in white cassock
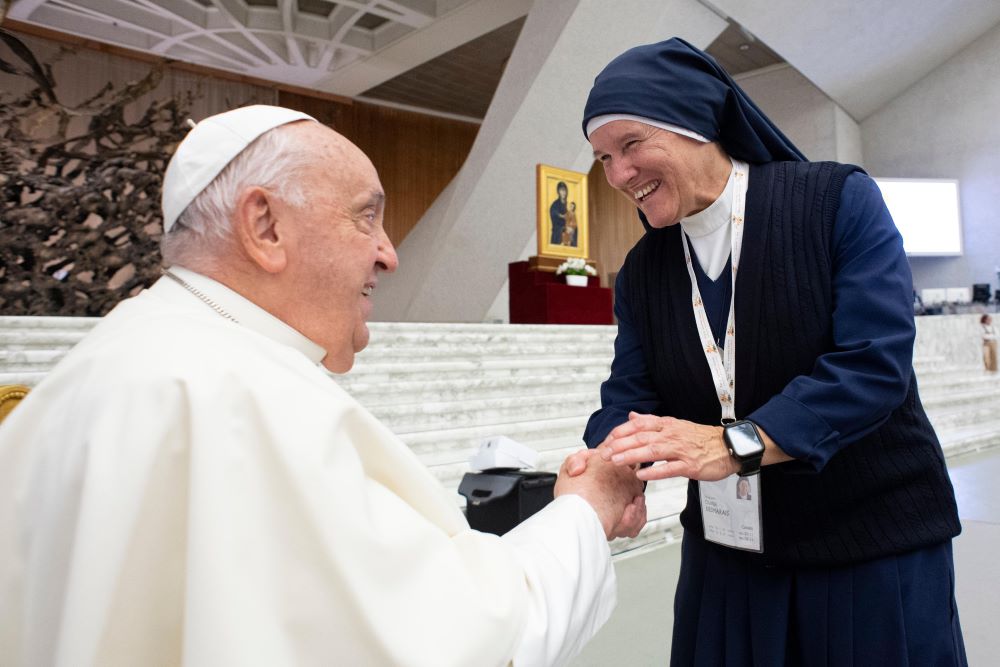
(189, 487)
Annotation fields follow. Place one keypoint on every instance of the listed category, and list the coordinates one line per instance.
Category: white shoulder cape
(184, 490)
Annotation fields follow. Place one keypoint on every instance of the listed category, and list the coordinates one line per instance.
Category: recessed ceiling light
(744, 47)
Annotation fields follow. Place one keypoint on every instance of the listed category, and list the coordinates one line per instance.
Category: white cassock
(183, 489)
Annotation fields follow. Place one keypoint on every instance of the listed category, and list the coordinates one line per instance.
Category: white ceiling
(862, 53)
(336, 46)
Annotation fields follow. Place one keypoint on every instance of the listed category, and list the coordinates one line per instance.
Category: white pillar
(453, 264)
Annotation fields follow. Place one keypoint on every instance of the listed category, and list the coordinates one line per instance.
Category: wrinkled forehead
(340, 169)
(333, 150)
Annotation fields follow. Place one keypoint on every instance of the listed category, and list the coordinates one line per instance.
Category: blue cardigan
(824, 318)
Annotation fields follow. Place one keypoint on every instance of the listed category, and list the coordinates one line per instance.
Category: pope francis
(189, 487)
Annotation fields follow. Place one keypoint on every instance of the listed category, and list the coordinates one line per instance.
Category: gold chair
(10, 396)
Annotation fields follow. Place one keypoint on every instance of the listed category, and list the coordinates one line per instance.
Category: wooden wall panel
(416, 155)
(614, 224)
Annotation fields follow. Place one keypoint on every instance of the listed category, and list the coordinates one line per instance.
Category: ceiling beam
(289, 13)
(241, 16)
(465, 23)
(23, 9)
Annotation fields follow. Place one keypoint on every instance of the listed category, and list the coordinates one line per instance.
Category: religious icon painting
(562, 212)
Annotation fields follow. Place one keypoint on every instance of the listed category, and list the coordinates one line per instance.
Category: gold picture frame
(562, 222)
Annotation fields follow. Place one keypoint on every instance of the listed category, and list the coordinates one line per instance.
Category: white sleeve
(214, 520)
(571, 581)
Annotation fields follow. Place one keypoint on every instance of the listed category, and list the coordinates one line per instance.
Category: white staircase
(443, 388)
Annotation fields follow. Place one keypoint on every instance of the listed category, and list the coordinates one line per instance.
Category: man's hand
(576, 463)
(634, 518)
(613, 491)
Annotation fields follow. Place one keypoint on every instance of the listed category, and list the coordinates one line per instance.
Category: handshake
(614, 491)
(609, 479)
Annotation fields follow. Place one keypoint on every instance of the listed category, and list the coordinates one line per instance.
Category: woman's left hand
(680, 448)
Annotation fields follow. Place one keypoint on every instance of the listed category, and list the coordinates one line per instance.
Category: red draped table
(541, 297)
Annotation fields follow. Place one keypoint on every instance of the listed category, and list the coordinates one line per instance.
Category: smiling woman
(745, 237)
(669, 176)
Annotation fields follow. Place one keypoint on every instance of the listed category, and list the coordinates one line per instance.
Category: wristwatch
(745, 445)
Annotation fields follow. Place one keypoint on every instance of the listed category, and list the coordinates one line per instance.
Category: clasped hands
(679, 448)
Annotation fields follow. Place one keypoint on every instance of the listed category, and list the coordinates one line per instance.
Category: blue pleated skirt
(897, 611)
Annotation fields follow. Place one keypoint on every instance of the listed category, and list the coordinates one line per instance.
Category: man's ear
(257, 229)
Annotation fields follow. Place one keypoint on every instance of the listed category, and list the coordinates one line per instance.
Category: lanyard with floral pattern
(722, 365)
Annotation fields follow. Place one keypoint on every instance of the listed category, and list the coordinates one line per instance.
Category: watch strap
(750, 464)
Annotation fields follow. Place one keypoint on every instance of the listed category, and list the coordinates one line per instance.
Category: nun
(766, 334)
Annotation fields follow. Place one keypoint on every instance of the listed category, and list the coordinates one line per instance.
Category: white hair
(273, 161)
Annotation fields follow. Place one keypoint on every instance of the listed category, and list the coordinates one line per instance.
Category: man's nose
(387, 258)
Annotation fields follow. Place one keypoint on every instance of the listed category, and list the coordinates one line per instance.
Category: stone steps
(442, 415)
(40, 339)
(932, 367)
(981, 410)
(934, 401)
(444, 388)
(962, 378)
(27, 378)
(46, 323)
(559, 367)
(970, 438)
(565, 350)
(534, 433)
(396, 332)
(929, 370)
(31, 359)
(373, 393)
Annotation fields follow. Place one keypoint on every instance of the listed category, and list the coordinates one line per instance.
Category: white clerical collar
(713, 217)
(248, 314)
(710, 231)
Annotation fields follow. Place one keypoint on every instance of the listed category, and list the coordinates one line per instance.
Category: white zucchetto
(209, 147)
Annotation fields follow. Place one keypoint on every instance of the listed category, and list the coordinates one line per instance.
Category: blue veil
(673, 82)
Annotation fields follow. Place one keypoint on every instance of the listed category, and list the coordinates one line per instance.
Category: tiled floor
(639, 632)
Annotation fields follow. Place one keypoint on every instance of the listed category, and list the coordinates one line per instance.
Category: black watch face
(743, 439)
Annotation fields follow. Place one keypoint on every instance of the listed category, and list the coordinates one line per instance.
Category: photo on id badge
(730, 512)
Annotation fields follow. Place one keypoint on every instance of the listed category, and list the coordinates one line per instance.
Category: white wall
(814, 123)
(848, 133)
(947, 125)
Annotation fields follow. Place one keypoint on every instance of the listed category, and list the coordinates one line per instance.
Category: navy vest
(885, 494)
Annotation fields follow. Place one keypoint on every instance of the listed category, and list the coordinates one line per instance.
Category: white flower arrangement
(576, 266)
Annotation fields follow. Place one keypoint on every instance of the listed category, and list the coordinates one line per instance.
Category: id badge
(730, 512)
